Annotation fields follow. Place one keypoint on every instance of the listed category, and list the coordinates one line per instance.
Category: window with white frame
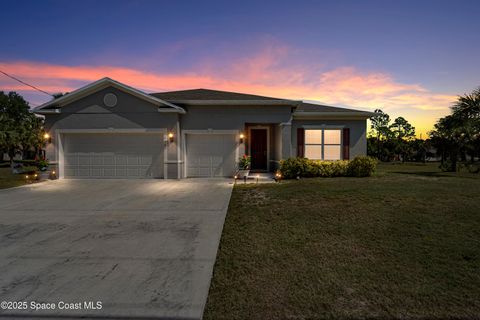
(323, 144)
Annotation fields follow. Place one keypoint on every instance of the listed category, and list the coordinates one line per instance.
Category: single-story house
(110, 130)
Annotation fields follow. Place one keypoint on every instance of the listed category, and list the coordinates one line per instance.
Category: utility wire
(22, 82)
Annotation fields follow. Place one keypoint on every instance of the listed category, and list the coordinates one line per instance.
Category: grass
(402, 244)
(9, 180)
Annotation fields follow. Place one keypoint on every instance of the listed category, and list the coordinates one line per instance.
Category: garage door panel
(84, 159)
(210, 155)
(120, 160)
(97, 159)
(109, 171)
(113, 155)
(83, 172)
(109, 160)
(96, 172)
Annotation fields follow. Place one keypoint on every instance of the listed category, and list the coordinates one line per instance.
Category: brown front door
(259, 149)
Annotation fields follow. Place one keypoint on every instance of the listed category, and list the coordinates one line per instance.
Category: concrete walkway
(142, 248)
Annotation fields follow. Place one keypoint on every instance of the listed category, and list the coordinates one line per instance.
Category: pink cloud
(267, 72)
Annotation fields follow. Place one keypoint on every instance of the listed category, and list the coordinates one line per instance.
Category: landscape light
(47, 137)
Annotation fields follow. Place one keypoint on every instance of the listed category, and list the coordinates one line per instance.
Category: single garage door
(210, 155)
(105, 155)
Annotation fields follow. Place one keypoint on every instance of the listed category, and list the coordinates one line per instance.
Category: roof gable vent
(110, 100)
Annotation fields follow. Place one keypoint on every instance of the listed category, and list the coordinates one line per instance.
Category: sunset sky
(409, 58)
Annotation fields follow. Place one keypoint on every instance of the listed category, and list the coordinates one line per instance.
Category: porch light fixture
(242, 137)
(170, 137)
(47, 137)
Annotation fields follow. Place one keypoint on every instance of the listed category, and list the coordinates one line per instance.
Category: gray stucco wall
(231, 117)
(129, 113)
(358, 129)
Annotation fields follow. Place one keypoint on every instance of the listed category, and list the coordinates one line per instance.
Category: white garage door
(105, 155)
(211, 155)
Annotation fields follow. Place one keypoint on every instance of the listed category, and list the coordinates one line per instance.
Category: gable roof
(207, 96)
(54, 105)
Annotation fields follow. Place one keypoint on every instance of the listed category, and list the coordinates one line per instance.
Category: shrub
(362, 166)
(293, 167)
(244, 162)
(26, 162)
(301, 167)
(42, 164)
(29, 169)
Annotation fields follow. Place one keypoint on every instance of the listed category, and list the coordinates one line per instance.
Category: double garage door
(105, 155)
(210, 155)
(140, 155)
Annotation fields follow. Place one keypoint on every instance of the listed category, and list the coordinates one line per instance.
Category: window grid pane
(313, 152)
(331, 152)
(323, 144)
(313, 136)
(331, 136)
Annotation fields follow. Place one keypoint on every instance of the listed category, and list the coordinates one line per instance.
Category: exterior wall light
(170, 137)
(242, 137)
(47, 138)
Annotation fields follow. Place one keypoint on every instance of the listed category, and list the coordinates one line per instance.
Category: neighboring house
(109, 130)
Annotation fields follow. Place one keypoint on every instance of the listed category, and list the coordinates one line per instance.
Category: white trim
(323, 128)
(48, 111)
(59, 134)
(268, 141)
(59, 154)
(179, 156)
(208, 131)
(112, 130)
(343, 115)
(102, 84)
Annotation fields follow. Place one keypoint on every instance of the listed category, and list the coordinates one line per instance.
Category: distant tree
(457, 134)
(402, 133)
(380, 128)
(20, 129)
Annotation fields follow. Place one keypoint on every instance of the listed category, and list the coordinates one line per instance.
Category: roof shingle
(207, 94)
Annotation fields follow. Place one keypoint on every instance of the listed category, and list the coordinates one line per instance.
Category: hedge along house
(110, 130)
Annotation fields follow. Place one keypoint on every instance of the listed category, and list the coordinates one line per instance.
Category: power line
(22, 82)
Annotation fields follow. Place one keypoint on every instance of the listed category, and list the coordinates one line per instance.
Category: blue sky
(416, 55)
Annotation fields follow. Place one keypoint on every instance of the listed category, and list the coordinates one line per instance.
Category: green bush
(29, 169)
(362, 166)
(302, 167)
(293, 167)
(26, 162)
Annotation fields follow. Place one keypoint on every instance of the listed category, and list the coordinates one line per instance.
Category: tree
(381, 131)
(459, 133)
(20, 129)
(402, 133)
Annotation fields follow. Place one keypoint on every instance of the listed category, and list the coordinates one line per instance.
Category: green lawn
(402, 244)
(8, 180)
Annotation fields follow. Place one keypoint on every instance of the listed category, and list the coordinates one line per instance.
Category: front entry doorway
(259, 149)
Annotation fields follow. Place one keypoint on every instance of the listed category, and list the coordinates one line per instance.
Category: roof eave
(47, 111)
(356, 115)
(99, 85)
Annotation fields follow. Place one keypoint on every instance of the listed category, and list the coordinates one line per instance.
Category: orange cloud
(267, 72)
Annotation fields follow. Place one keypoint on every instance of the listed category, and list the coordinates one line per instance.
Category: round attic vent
(110, 100)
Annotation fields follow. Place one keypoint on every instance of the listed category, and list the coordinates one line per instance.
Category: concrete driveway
(142, 248)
